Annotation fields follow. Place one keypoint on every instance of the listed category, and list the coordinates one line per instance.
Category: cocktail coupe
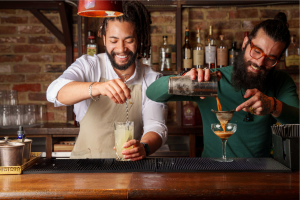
(230, 129)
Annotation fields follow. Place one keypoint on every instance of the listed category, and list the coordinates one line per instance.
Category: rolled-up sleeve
(154, 113)
(82, 70)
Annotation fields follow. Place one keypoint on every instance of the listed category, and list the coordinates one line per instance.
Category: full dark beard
(241, 79)
(121, 67)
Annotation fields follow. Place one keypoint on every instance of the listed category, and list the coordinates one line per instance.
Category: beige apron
(96, 136)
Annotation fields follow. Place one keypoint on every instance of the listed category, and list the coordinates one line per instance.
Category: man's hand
(203, 75)
(258, 104)
(136, 153)
(115, 89)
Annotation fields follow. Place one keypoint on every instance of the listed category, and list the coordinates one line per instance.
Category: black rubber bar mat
(155, 165)
(211, 164)
(45, 166)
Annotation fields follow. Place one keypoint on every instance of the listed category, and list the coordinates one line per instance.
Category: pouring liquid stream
(220, 109)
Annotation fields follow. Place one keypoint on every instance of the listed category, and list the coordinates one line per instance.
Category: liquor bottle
(292, 54)
(165, 63)
(198, 53)
(91, 46)
(232, 53)
(188, 114)
(222, 54)
(146, 61)
(210, 50)
(187, 60)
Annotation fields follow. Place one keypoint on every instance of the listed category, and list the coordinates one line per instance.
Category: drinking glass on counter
(123, 132)
(42, 114)
(230, 129)
(2, 97)
(30, 114)
(12, 97)
(17, 115)
(6, 115)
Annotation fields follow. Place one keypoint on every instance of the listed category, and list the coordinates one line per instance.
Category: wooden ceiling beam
(49, 25)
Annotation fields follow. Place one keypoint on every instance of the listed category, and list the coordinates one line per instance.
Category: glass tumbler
(123, 132)
(2, 97)
(12, 97)
(6, 113)
(17, 115)
(30, 114)
(42, 114)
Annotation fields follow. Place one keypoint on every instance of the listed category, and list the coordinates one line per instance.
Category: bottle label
(91, 51)
(187, 63)
(198, 57)
(210, 54)
(165, 55)
(292, 61)
(222, 57)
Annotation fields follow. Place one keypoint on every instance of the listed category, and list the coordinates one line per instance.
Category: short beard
(121, 67)
(241, 79)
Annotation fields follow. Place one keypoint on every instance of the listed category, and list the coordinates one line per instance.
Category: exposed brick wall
(31, 57)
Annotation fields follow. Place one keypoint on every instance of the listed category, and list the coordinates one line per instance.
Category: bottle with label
(198, 53)
(232, 54)
(146, 61)
(292, 54)
(165, 62)
(188, 114)
(91, 47)
(222, 54)
(210, 50)
(187, 60)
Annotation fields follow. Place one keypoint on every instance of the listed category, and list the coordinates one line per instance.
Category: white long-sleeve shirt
(87, 69)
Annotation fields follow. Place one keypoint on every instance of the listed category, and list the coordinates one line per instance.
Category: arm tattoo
(266, 104)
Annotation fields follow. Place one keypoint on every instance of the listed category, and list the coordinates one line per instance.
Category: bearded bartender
(95, 86)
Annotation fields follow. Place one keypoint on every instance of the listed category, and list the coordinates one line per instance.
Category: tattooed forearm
(266, 104)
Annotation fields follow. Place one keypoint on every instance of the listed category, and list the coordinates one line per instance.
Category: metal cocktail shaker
(184, 85)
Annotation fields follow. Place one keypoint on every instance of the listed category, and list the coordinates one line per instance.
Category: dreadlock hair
(277, 29)
(135, 12)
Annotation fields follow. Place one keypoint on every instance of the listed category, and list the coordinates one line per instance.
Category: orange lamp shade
(100, 8)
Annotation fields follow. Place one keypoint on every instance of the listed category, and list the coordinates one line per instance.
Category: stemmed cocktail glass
(230, 129)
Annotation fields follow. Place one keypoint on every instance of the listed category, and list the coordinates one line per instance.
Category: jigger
(224, 116)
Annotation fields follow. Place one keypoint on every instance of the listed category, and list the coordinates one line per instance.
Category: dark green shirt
(252, 139)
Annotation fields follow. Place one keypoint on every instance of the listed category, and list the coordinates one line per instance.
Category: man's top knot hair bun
(281, 17)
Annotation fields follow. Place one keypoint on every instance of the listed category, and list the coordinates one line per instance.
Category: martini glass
(230, 129)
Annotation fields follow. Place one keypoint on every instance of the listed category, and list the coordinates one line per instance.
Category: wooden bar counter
(202, 185)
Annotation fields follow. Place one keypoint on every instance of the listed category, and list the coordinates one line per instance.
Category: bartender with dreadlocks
(95, 85)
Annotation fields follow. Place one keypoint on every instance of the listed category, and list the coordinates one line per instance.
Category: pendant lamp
(100, 8)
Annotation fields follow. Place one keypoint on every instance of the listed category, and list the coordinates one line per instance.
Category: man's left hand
(136, 153)
(259, 104)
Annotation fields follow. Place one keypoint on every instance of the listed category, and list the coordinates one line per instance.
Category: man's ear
(103, 39)
(245, 42)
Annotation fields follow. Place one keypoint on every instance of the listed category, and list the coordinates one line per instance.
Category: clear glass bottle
(91, 47)
(222, 54)
(146, 61)
(198, 53)
(292, 54)
(232, 54)
(187, 58)
(165, 62)
(188, 114)
(210, 50)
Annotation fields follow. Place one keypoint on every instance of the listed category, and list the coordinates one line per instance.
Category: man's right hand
(115, 89)
(203, 75)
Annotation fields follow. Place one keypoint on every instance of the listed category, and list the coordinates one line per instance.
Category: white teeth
(122, 56)
(256, 68)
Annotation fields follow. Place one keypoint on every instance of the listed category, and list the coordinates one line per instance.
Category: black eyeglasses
(257, 53)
